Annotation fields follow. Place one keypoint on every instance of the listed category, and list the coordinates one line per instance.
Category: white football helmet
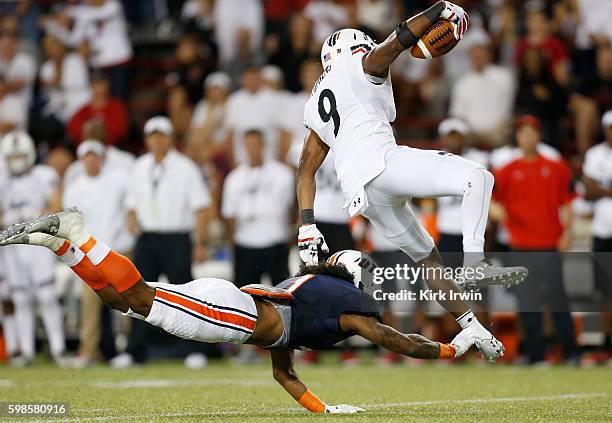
(360, 265)
(19, 151)
(342, 40)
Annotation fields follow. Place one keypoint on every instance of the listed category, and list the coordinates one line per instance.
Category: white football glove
(456, 16)
(309, 240)
(343, 409)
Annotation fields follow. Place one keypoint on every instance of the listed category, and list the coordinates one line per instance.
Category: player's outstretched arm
(313, 154)
(309, 237)
(407, 34)
(286, 376)
(412, 345)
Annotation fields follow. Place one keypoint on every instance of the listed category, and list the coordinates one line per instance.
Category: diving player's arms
(284, 373)
(309, 237)
(412, 345)
(407, 34)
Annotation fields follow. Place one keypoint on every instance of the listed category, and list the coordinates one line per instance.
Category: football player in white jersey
(26, 194)
(349, 112)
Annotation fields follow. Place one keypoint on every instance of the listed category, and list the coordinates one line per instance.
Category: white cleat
(15, 234)
(490, 348)
(486, 274)
(67, 224)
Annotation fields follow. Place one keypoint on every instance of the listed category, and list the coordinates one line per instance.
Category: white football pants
(412, 172)
(30, 273)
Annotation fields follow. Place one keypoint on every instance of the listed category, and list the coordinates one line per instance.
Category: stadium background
(555, 58)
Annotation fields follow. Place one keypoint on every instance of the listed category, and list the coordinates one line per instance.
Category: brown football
(437, 41)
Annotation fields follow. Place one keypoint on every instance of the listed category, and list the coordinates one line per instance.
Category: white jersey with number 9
(352, 115)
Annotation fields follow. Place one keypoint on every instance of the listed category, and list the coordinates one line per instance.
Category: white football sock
(474, 214)
(466, 319)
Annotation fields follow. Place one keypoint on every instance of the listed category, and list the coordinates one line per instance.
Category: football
(437, 41)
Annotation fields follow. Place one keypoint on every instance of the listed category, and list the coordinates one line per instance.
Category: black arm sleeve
(403, 33)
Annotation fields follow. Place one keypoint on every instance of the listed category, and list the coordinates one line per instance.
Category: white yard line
(6, 383)
(367, 406)
(171, 383)
(488, 400)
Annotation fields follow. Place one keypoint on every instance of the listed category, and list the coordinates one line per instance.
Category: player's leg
(73, 257)
(424, 173)
(22, 297)
(110, 267)
(51, 314)
(7, 311)
(112, 276)
(206, 310)
(42, 277)
(420, 173)
(9, 329)
(396, 222)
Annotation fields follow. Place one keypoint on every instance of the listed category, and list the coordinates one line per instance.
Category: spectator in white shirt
(94, 129)
(484, 96)
(597, 176)
(208, 127)
(327, 16)
(64, 78)
(100, 26)
(293, 129)
(167, 200)
(274, 81)
(258, 199)
(233, 16)
(206, 143)
(252, 107)
(17, 74)
(100, 194)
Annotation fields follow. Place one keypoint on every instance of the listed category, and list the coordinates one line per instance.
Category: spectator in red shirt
(532, 190)
(539, 35)
(111, 111)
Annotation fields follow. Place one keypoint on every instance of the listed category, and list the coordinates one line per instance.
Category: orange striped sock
(118, 270)
(81, 265)
(446, 351)
(311, 402)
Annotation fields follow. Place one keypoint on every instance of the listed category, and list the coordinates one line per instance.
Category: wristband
(446, 351)
(307, 216)
(405, 36)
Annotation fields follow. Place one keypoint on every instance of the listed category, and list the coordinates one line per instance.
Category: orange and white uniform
(206, 310)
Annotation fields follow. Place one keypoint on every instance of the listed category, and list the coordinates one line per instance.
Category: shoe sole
(495, 356)
(14, 236)
(49, 224)
(512, 277)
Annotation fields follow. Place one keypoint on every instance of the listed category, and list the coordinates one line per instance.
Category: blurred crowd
(203, 184)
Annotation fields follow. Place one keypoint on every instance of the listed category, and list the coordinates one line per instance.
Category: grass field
(462, 393)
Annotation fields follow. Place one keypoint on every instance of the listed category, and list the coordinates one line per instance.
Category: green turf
(462, 393)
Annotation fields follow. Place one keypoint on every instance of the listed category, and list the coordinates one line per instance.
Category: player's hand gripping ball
(443, 35)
